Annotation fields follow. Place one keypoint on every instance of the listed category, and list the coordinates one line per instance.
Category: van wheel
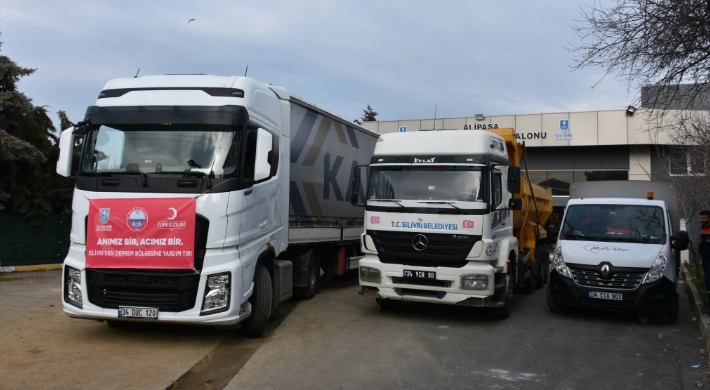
(261, 302)
(670, 315)
(313, 286)
(552, 304)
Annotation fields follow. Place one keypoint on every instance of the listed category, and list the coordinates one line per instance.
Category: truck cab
(439, 221)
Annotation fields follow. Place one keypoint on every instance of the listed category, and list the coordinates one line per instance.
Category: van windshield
(615, 223)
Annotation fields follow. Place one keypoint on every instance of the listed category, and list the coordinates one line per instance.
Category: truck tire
(553, 305)
(503, 312)
(388, 304)
(529, 283)
(261, 302)
(542, 261)
(670, 315)
(313, 286)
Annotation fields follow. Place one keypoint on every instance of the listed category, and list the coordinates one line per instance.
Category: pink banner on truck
(141, 233)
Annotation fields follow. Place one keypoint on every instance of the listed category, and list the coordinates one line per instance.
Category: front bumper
(216, 261)
(646, 299)
(445, 289)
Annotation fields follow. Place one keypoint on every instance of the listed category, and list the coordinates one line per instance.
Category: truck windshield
(615, 223)
(444, 183)
(210, 149)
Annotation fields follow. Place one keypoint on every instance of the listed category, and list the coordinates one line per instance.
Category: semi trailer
(209, 200)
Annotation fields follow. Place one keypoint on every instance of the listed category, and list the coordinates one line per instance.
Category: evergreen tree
(369, 115)
(29, 185)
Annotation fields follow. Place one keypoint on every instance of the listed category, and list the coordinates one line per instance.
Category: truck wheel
(529, 283)
(542, 264)
(553, 305)
(670, 315)
(503, 312)
(261, 302)
(313, 286)
(388, 304)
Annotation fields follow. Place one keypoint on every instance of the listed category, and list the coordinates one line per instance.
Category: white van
(619, 249)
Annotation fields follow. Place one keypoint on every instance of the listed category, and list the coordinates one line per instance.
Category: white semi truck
(450, 220)
(207, 200)
(619, 249)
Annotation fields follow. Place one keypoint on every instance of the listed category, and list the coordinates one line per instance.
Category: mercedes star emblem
(419, 242)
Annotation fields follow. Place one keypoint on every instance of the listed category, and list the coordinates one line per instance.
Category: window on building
(687, 161)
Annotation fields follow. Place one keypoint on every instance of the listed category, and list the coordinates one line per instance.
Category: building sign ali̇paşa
(521, 136)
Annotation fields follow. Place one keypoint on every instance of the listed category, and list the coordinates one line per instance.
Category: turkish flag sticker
(467, 224)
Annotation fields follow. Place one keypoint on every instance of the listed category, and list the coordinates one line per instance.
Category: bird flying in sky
(191, 20)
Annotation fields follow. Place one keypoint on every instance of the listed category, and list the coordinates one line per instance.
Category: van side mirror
(66, 152)
(262, 163)
(680, 240)
(514, 180)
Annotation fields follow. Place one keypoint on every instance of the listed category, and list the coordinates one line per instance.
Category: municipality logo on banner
(104, 215)
(137, 219)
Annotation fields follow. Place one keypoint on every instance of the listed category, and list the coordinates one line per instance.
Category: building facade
(567, 147)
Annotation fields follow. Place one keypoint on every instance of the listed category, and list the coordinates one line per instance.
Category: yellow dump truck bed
(529, 222)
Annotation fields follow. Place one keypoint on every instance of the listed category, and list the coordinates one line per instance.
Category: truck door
(500, 221)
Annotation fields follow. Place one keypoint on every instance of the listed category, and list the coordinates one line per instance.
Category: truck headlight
(657, 269)
(559, 263)
(72, 287)
(474, 282)
(216, 294)
(371, 275)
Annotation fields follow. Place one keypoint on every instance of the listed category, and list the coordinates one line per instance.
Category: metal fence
(23, 244)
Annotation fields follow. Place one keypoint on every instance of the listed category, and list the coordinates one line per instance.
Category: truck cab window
(250, 154)
(497, 189)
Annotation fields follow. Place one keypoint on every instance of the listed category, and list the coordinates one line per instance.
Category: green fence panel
(23, 244)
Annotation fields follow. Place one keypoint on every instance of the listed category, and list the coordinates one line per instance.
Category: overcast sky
(403, 57)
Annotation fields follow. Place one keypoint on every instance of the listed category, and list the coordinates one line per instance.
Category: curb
(30, 268)
(696, 304)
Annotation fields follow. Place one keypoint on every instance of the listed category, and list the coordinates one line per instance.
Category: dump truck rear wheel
(540, 264)
(261, 302)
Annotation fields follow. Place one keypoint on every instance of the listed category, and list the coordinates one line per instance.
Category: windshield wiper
(449, 202)
(189, 173)
(390, 200)
(144, 177)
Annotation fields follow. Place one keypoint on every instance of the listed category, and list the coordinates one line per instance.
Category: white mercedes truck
(619, 250)
(450, 220)
(206, 200)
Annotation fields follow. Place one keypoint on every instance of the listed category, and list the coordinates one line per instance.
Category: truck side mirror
(66, 152)
(680, 240)
(355, 186)
(262, 165)
(514, 180)
(515, 204)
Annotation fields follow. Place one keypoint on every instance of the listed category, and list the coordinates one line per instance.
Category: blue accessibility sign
(402, 129)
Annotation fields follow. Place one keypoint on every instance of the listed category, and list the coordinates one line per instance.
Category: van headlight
(559, 263)
(657, 269)
(216, 294)
(72, 287)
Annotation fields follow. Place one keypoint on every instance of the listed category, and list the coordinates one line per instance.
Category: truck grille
(620, 279)
(447, 250)
(167, 291)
